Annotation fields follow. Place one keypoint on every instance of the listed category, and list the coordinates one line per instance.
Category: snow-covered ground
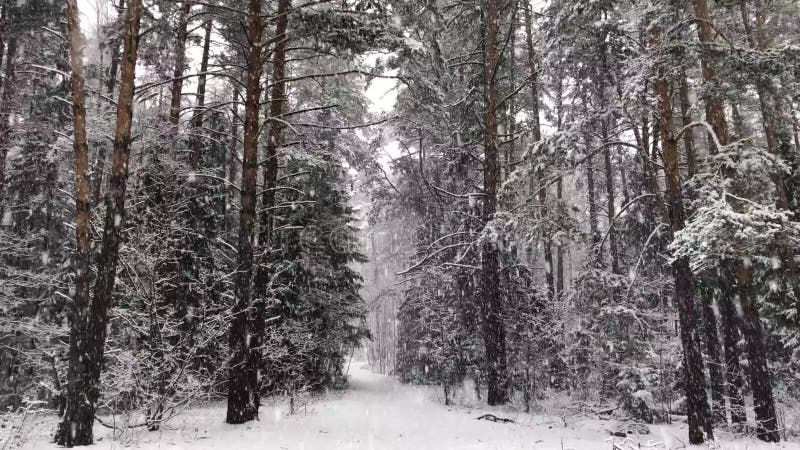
(377, 412)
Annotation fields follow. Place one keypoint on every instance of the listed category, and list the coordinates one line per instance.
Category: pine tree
(243, 389)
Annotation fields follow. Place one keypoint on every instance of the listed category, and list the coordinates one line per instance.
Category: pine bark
(84, 377)
(696, 402)
(767, 425)
(492, 307)
(243, 389)
(715, 111)
(75, 400)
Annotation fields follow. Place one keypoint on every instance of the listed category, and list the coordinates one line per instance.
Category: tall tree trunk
(612, 234)
(730, 333)
(596, 251)
(536, 130)
(760, 380)
(757, 41)
(686, 119)
(739, 131)
(181, 35)
(111, 74)
(111, 83)
(191, 249)
(2, 41)
(696, 402)
(233, 158)
(84, 378)
(654, 152)
(706, 294)
(274, 142)
(751, 325)
(560, 186)
(243, 389)
(493, 327)
(199, 113)
(534, 80)
(3, 32)
(715, 368)
(511, 112)
(5, 115)
(796, 131)
(602, 75)
(623, 177)
(76, 400)
(715, 111)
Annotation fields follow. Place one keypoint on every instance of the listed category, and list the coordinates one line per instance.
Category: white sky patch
(389, 152)
(382, 94)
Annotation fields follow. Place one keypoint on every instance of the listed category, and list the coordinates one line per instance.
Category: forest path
(377, 412)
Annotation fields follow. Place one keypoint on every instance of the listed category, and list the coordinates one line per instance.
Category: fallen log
(493, 418)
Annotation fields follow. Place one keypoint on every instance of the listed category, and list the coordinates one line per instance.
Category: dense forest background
(594, 200)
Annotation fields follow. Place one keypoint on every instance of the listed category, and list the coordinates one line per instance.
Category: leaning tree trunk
(696, 402)
(89, 337)
(766, 420)
(492, 307)
(243, 392)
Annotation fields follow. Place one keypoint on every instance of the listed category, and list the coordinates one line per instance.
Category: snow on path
(377, 412)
